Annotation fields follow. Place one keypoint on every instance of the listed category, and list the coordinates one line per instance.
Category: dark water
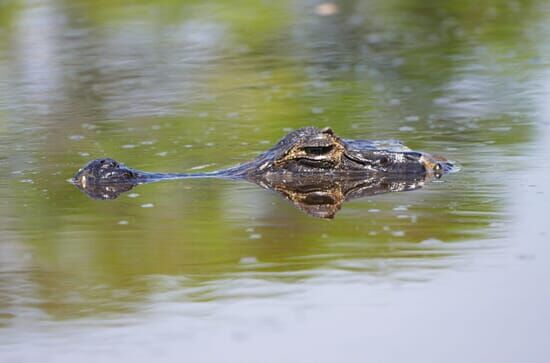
(214, 270)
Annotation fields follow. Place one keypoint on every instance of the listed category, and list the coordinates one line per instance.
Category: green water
(217, 270)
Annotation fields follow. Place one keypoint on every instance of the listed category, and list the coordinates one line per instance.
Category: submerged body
(307, 165)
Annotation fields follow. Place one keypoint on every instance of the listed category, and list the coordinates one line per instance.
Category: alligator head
(313, 150)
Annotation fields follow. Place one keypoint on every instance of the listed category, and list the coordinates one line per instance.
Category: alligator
(314, 168)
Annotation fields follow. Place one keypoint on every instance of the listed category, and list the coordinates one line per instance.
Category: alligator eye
(318, 150)
(438, 167)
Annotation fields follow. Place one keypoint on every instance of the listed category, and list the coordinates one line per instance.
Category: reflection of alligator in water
(322, 197)
(314, 168)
